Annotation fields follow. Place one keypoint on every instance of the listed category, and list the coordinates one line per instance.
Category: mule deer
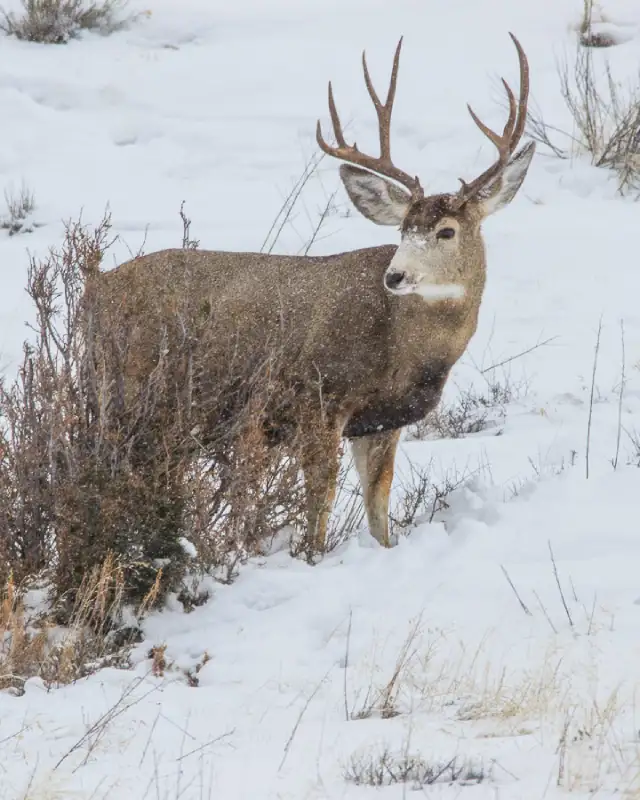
(375, 331)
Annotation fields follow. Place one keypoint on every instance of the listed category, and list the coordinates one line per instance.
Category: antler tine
(508, 129)
(383, 164)
(335, 119)
(524, 90)
(511, 134)
(384, 111)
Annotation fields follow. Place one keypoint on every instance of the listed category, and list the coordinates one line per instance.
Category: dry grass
(59, 21)
(469, 686)
(23, 648)
(556, 703)
(381, 698)
(556, 700)
(592, 746)
(100, 631)
(534, 694)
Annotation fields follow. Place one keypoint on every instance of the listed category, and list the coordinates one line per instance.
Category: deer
(376, 331)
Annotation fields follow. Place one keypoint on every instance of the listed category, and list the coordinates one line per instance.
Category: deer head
(441, 249)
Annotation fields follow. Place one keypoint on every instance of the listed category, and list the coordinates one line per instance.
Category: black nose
(393, 279)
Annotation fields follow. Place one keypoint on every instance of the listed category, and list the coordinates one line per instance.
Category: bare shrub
(20, 208)
(73, 489)
(468, 414)
(471, 412)
(386, 768)
(100, 457)
(420, 497)
(58, 21)
(606, 120)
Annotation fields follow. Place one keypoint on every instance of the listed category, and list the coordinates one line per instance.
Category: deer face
(430, 260)
(441, 252)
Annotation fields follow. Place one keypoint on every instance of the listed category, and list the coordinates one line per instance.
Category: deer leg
(321, 463)
(374, 457)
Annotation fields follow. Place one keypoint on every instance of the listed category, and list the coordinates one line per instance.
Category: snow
(215, 104)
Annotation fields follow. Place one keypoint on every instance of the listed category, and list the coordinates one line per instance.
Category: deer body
(382, 360)
(369, 336)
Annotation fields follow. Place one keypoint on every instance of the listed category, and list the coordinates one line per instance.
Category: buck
(376, 331)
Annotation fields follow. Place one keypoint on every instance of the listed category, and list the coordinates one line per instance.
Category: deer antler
(511, 134)
(382, 165)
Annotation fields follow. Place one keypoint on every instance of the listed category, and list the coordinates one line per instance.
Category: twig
(593, 611)
(555, 572)
(562, 749)
(217, 739)
(179, 771)
(14, 735)
(519, 355)
(523, 605)
(32, 778)
(286, 209)
(620, 396)
(103, 721)
(187, 242)
(544, 611)
(149, 738)
(573, 590)
(319, 225)
(294, 730)
(593, 385)
(346, 666)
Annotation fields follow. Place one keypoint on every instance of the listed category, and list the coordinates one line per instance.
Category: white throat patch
(413, 259)
(440, 291)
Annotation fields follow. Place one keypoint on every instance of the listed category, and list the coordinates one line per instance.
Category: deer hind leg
(320, 465)
(374, 457)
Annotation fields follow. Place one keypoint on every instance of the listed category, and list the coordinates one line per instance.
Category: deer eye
(445, 233)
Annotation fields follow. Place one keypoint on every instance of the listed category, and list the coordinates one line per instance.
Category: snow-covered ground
(215, 103)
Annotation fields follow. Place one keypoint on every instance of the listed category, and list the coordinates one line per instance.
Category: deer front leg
(374, 457)
(320, 465)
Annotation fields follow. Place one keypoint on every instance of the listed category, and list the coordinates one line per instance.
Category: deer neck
(431, 333)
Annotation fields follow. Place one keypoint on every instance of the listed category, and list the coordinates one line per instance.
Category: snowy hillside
(420, 667)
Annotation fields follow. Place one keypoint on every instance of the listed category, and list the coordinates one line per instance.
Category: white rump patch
(441, 291)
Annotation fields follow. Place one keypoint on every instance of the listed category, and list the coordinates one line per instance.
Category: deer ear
(376, 198)
(501, 191)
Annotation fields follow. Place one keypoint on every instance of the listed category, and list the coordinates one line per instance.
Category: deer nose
(393, 279)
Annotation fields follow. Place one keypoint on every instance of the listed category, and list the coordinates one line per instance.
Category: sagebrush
(58, 21)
